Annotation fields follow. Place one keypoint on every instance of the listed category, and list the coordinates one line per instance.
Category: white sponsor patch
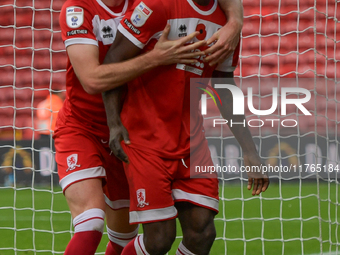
(191, 69)
(105, 30)
(140, 14)
(74, 16)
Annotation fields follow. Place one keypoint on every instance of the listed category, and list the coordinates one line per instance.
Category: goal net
(288, 45)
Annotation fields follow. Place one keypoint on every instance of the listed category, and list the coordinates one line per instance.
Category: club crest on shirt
(141, 198)
(72, 161)
(74, 16)
(140, 14)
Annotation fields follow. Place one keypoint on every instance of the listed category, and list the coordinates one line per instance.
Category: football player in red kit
(156, 114)
(85, 162)
(81, 136)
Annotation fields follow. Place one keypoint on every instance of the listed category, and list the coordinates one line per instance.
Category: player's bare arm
(113, 105)
(257, 180)
(97, 78)
(228, 36)
(121, 50)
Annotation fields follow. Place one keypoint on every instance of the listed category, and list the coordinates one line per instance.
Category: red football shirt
(87, 22)
(156, 111)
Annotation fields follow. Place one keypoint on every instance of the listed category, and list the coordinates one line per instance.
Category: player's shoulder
(74, 12)
(152, 5)
(148, 13)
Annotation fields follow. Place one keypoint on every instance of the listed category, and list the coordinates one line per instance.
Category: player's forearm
(113, 104)
(236, 123)
(234, 11)
(240, 130)
(109, 76)
(96, 77)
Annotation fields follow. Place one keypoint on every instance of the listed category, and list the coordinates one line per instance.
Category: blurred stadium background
(291, 43)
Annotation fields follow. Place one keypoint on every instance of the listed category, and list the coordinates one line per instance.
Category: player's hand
(226, 40)
(177, 51)
(256, 179)
(119, 133)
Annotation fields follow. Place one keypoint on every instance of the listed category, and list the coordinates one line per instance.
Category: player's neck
(112, 3)
(202, 2)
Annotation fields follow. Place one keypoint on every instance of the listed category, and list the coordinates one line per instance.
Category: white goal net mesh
(287, 43)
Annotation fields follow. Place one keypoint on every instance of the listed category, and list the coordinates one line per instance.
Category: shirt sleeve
(145, 21)
(76, 25)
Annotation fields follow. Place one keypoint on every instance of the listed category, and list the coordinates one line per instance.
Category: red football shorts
(80, 155)
(156, 184)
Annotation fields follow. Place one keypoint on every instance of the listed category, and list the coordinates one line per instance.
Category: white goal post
(284, 44)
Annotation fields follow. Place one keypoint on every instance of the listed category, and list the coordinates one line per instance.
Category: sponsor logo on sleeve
(140, 14)
(77, 32)
(132, 28)
(74, 17)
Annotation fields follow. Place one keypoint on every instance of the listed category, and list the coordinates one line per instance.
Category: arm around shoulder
(122, 64)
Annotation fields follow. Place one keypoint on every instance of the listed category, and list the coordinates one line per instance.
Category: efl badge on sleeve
(74, 16)
(140, 14)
